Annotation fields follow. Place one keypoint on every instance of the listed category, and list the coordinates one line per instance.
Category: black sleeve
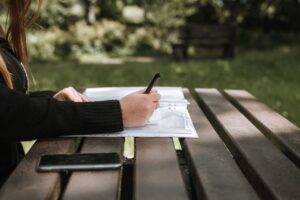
(23, 117)
(47, 94)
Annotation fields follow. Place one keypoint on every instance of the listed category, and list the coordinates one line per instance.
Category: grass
(273, 76)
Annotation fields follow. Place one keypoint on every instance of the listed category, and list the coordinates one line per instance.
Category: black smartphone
(79, 162)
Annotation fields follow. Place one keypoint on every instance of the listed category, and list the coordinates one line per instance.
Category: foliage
(61, 13)
(105, 37)
(111, 9)
(79, 39)
(167, 14)
(71, 28)
(272, 76)
(250, 15)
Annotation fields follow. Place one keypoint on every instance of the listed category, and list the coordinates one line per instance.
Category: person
(28, 115)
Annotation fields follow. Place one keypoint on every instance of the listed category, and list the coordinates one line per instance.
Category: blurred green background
(94, 43)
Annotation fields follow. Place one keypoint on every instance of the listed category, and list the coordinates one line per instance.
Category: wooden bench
(245, 150)
(204, 36)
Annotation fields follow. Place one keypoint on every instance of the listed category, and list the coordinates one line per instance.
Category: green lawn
(273, 76)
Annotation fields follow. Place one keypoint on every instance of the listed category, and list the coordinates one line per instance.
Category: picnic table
(245, 150)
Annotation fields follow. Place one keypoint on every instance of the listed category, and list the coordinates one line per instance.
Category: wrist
(123, 113)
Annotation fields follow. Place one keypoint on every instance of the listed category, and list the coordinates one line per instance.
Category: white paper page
(171, 97)
(168, 94)
(170, 120)
(163, 129)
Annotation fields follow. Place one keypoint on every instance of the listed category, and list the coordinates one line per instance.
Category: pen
(151, 84)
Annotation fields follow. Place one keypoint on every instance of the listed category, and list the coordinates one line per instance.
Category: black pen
(151, 84)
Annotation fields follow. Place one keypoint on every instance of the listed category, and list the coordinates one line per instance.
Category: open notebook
(171, 119)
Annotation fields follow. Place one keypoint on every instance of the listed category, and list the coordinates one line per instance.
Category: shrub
(105, 37)
(80, 38)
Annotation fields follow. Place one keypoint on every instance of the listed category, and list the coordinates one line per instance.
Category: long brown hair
(18, 19)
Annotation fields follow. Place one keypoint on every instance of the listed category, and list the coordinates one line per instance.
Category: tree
(90, 11)
(61, 13)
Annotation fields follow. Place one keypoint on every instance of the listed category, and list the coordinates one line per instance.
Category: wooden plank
(270, 172)
(103, 184)
(214, 172)
(157, 173)
(284, 134)
(26, 183)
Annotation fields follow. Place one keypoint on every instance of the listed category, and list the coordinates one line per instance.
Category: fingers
(83, 98)
(78, 97)
(154, 96)
(157, 105)
(139, 91)
(70, 94)
(74, 95)
(154, 91)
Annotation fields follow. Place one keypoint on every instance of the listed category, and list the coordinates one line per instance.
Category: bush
(43, 45)
(79, 39)
(106, 37)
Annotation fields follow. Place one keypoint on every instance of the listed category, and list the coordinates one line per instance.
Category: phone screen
(85, 161)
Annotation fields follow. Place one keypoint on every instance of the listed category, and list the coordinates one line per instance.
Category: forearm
(24, 117)
(47, 94)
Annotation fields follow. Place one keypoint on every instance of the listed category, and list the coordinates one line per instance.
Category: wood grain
(157, 173)
(26, 183)
(214, 172)
(103, 184)
(272, 174)
(284, 134)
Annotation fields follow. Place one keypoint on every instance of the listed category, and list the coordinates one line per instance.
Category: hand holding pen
(137, 107)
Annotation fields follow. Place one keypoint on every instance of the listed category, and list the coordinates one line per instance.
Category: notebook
(171, 119)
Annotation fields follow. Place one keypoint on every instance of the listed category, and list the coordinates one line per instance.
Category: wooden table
(245, 150)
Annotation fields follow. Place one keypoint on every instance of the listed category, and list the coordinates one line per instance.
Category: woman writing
(27, 115)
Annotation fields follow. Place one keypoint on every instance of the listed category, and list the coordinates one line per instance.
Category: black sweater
(25, 116)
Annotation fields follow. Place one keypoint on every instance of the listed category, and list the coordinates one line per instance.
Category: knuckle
(70, 88)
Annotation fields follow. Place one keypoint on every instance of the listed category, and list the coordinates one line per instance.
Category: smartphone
(79, 162)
